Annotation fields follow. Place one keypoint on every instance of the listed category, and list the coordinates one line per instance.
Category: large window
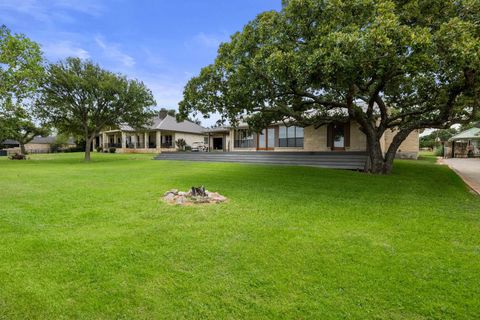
(243, 139)
(290, 137)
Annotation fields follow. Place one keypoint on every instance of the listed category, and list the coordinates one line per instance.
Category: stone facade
(315, 140)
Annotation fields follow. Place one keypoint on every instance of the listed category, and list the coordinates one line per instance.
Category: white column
(105, 140)
(124, 140)
(159, 140)
(145, 138)
(94, 142)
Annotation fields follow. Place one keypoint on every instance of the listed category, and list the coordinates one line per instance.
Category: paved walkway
(468, 170)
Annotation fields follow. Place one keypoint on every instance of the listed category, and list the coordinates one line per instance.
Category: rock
(181, 193)
(180, 200)
(169, 197)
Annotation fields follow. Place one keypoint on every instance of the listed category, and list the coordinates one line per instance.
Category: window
(167, 141)
(290, 137)
(243, 139)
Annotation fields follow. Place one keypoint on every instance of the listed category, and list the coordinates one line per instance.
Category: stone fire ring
(181, 198)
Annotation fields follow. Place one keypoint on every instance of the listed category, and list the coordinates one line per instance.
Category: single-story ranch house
(165, 130)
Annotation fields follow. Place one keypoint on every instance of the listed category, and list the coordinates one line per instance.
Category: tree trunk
(377, 163)
(22, 149)
(88, 145)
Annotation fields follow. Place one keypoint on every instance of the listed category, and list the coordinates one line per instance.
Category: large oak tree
(388, 65)
(80, 98)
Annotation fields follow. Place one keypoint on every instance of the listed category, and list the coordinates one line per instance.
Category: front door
(339, 137)
(217, 143)
(266, 139)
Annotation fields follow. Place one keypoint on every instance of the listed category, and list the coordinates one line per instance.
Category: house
(281, 138)
(159, 136)
(465, 144)
(37, 145)
(164, 131)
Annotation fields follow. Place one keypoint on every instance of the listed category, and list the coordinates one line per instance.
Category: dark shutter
(277, 135)
(330, 135)
(347, 134)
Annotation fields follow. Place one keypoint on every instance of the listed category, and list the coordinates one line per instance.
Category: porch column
(146, 140)
(159, 140)
(124, 140)
(94, 144)
(105, 140)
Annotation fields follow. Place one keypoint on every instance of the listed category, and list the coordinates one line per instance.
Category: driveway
(468, 169)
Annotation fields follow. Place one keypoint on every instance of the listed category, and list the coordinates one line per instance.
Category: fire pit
(194, 196)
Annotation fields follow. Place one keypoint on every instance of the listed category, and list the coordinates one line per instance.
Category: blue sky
(163, 43)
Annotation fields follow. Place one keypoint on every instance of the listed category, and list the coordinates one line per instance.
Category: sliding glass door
(266, 139)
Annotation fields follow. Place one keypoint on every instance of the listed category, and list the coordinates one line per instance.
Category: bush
(181, 143)
(99, 149)
(439, 151)
(18, 156)
(112, 150)
(188, 148)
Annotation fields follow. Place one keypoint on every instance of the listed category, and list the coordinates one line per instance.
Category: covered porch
(466, 144)
(137, 142)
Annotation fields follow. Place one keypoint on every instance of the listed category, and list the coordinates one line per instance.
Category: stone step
(350, 160)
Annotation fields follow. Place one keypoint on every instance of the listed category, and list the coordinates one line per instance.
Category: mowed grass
(94, 241)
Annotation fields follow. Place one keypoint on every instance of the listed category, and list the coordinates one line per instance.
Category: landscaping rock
(189, 198)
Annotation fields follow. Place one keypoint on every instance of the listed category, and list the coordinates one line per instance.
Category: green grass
(93, 241)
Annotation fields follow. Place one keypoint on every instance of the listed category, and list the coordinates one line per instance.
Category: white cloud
(63, 49)
(208, 40)
(50, 11)
(113, 52)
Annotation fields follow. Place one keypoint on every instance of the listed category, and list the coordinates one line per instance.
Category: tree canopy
(21, 70)
(388, 65)
(80, 98)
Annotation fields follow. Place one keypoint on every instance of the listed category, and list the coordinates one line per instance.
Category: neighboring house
(160, 136)
(465, 144)
(280, 138)
(37, 145)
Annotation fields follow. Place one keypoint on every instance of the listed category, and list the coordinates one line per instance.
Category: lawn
(94, 241)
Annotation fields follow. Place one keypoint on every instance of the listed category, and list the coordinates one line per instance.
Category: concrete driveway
(468, 169)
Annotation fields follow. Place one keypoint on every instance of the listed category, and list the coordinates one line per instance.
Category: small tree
(24, 130)
(80, 98)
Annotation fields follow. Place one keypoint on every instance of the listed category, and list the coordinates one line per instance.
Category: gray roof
(169, 123)
(470, 134)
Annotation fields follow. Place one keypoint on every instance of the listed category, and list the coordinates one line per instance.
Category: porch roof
(470, 134)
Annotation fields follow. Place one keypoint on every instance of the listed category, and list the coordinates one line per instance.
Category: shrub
(99, 149)
(188, 148)
(181, 143)
(439, 151)
(18, 156)
(112, 150)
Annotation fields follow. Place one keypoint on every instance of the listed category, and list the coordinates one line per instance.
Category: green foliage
(402, 65)
(23, 129)
(181, 143)
(437, 137)
(21, 71)
(80, 98)
(112, 150)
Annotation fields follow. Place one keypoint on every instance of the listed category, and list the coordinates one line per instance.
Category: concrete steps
(336, 160)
